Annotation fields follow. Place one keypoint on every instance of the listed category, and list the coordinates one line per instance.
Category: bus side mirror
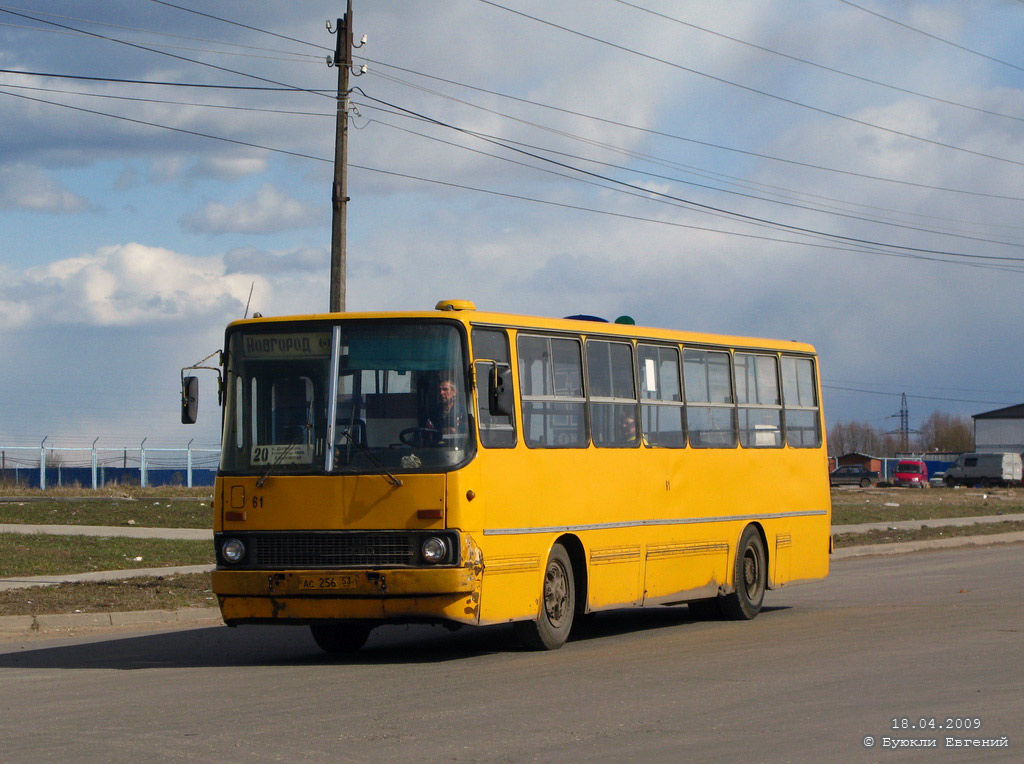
(499, 392)
(189, 399)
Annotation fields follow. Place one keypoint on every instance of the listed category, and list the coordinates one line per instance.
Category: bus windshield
(348, 397)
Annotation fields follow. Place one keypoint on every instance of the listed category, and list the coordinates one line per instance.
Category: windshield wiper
(374, 462)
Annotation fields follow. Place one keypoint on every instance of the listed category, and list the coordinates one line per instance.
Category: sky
(847, 174)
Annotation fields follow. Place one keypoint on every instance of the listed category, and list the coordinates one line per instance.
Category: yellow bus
(463, 467)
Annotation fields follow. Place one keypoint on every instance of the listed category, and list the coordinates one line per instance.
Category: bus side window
(612, 394)
(661, 396)
(800, 400)
(551, 390)
(760, 406)
(496, 430)
(710, 414)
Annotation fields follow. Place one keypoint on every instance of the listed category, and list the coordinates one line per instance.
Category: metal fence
(46, 466)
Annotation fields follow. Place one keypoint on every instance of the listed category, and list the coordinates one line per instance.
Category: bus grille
(331, 550)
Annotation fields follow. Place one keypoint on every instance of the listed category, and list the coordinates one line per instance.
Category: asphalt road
(932, 635)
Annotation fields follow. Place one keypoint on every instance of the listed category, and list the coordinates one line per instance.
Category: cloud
(269, 210)
(125, 285)
(229, 168)
(248, 260)
(28, 188)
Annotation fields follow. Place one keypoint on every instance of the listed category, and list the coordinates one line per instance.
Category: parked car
(852, 474)
(912, 473)
(985, 470)
(939, 478)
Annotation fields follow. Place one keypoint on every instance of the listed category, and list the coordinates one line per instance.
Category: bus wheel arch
(578, 557)
(750, 576)
(559, 599)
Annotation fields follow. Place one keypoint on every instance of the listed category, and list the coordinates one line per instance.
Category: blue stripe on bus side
(637, 523)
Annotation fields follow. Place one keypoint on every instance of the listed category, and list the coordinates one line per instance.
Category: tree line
(939, 432)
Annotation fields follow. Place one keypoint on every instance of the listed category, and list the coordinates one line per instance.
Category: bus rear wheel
(750, 577)
(557, 606)
(340, 638)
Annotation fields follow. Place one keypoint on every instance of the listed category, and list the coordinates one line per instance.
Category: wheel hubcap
(752, 573)
(556, 594)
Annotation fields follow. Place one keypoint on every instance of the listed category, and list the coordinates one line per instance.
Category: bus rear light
(434, 550)
(428, 514)
(234, 516)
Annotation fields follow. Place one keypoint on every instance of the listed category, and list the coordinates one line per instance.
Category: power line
(534, 124)
(520, 197)
(909, 395)
(625, 125)
(294, 57)
(909, 386)
(816, 65)
(165, 102)
(705, 229)
(705, 207)
(673, 136)
(754, 90)
(165, 83)
(196, 133)
(862, 246)
(502, 140)
(162, 52)
(932, 36)
(239, 24)
(744, 184)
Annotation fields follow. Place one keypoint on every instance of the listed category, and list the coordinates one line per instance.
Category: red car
(911, 472)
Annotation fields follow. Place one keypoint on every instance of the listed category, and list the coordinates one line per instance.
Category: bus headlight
(434, 550)
(232, 550)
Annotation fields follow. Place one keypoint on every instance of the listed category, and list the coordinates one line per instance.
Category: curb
(903, 547)
(25, 582)
(122, 531)
(52, 625)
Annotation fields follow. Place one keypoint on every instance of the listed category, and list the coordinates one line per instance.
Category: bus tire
(340, 638)
(551, 628)
(750, 576)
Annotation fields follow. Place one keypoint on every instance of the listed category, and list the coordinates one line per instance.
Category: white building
(1000, 430)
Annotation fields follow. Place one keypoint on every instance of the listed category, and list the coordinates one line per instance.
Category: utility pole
(339, 192)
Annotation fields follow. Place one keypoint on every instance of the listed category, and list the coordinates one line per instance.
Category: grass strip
(877, 506)
(150, 593)
(43, 555)
(150, 512)
(888, 536)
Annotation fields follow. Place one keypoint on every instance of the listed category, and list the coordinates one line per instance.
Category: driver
(447, 416)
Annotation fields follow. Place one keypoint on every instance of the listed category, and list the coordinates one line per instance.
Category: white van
(985, 470)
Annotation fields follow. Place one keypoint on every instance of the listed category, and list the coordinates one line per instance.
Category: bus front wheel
(750, 577)
(557, 606)
(338, 638)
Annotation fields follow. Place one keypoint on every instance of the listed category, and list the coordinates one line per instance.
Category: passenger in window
(447, 416)
(627, 430)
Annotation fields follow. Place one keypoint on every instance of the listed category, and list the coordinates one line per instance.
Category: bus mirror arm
(190, 389)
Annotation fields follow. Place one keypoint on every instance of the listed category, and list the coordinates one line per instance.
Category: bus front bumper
(307, 596)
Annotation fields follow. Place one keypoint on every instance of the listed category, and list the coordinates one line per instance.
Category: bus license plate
(327, 583)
